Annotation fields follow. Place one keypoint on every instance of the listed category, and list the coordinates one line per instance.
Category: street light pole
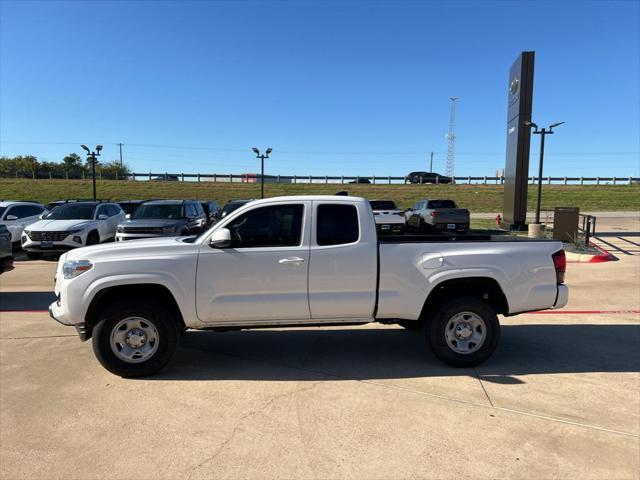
(431, 164)
(542, 132)
(92, 156)
(262, 157)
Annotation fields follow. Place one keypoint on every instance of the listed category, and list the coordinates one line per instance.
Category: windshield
(441, 204)
(231, 206)
(72, 211)
(158, 211)
(129, 208)
(383, 205)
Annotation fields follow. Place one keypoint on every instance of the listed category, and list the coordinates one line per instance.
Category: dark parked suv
(163, 218)
(212, 210)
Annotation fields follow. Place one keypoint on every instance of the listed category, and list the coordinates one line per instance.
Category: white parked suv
(18, 215)
(72, 225)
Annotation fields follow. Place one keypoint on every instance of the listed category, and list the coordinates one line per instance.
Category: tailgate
(451, 215)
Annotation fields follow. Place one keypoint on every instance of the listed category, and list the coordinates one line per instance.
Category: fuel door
(432, 260)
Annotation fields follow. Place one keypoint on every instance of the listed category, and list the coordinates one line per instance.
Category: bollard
(536, 230)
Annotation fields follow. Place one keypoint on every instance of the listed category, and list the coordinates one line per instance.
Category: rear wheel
(464, 332)
(135, 341)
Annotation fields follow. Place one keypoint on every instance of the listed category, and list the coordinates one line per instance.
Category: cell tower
(451, 136)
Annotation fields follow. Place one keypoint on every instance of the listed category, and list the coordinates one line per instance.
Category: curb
(602, 256)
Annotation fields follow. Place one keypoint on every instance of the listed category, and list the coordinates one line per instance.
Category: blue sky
(353, 88)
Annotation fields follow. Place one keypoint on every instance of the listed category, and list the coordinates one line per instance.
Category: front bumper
(121, 237)
(84, 332)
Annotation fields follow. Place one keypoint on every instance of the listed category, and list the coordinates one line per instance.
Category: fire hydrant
(498, 219)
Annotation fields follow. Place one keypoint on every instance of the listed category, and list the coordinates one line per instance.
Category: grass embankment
(477, 198)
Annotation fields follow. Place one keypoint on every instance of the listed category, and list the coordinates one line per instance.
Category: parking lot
(560, 398)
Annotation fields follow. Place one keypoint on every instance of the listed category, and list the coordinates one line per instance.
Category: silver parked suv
(163, 218)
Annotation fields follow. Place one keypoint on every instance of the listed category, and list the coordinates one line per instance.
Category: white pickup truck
(300, 261)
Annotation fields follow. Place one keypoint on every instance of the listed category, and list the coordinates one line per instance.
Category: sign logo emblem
(513, 86)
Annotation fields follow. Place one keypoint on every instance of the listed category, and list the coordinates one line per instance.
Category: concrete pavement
(560, 398)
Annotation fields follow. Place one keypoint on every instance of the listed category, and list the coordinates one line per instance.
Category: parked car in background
(212, 210)
(427, 177)
(72, 225)
(51, 205)
(299, 261)
(15, 216)
(438, 216)
(163, 218)
(129, 206)
(233, 205)
(6, 250)
(389, 218)
(166, 178)
(361, 180)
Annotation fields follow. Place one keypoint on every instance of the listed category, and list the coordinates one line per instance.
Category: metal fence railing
(374, 179)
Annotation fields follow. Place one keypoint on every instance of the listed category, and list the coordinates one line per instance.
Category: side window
(337, 224)
(112, 210)
(199, 208)
(273, 226)
(102, 210)
(24, 211)
(191, 210)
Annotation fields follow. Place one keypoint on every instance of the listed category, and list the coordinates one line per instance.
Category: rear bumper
(563, 296)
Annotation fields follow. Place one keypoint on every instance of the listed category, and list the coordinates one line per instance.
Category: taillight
(434, 214)
(560, 264)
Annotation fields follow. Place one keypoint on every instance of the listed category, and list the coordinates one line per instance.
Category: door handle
(291, 261)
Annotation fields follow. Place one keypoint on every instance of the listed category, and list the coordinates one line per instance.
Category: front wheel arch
(139, 291)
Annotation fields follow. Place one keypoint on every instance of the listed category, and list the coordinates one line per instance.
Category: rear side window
(337, 224)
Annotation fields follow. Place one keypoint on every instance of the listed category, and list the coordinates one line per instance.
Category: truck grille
(48, 236)
(150, 230)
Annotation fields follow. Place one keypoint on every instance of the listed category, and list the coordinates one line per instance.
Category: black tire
(436, 331)
(93, 238)
(33, 255)
(155, 314)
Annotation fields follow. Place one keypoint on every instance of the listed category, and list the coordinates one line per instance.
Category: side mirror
(102, 216)
(11, 217)
(42, 215)
(127, 216)
(221, 238)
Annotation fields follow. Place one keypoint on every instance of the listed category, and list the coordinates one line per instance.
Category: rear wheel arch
(483, 288)
(108, 297)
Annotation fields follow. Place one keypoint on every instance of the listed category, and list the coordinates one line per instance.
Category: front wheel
(464, 332)
(134, 341)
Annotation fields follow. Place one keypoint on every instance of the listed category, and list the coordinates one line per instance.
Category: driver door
(262, 276)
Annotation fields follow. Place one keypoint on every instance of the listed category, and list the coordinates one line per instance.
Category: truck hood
(59, 225)
(151, 247)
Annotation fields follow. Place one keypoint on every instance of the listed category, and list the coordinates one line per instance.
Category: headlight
(73, 268)
(170, 229)
(27, 233)
(120, 229)
(75, 230)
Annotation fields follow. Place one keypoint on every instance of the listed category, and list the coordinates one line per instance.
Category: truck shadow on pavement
(392, 353)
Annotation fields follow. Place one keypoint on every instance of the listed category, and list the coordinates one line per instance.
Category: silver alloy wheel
(134, 339)
(465, 332)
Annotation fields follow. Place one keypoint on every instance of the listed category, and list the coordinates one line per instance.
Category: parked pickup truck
(438, 216)
(299, 261)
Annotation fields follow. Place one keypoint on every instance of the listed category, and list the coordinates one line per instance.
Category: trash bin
(565, 223)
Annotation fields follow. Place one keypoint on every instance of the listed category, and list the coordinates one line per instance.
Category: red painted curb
(583, 312)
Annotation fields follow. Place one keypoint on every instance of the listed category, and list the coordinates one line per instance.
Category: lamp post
(542, 132)
(262, 157)
(92, 156)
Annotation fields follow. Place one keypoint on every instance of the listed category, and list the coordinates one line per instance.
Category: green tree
(72, 164)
